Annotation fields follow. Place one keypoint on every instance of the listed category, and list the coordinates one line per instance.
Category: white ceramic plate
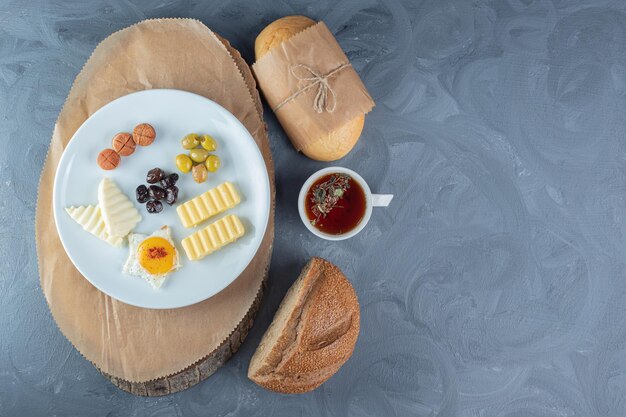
(173, 114)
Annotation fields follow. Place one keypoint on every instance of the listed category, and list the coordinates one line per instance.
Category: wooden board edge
(202, 369)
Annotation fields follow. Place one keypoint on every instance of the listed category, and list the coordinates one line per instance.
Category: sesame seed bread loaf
(313, 332)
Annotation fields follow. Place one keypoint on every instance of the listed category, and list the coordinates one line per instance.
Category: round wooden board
(57, 272)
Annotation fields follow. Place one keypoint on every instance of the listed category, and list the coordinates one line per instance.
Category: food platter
(173, 114)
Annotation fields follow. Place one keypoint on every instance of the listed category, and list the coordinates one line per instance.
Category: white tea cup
(371, 200)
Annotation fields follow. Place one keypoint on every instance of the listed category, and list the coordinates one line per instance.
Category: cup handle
(381, 200)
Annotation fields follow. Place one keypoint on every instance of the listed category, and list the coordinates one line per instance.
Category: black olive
(156, 192)
(155, 175)
(172, 195)
(154, 206)
(142, 194)
(169, 180)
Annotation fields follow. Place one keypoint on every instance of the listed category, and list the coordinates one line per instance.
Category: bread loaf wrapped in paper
(311, 86)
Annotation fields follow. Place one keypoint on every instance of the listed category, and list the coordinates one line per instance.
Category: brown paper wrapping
(127, 342)
(316, 48)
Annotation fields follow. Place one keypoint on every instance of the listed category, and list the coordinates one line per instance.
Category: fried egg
(152, 257)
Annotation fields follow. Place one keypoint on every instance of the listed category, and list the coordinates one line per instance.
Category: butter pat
(118, 212)
(213, 237)
(215, 201)
(90, 219)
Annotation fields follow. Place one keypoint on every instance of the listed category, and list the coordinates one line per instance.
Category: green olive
(209, 143)
(213, 163)
(190, 141)
(183, 162)
(199, 173)
(198, 155)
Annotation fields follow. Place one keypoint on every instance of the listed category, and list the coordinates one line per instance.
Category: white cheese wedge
(90, 219)
(118, 212)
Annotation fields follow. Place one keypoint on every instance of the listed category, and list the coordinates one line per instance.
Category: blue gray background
(495, 283)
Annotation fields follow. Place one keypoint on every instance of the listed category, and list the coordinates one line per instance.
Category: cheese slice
(208, 204)
(213, 237)
(90, 218)
(118, 212)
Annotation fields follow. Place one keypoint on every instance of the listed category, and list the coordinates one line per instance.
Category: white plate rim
(267, 194)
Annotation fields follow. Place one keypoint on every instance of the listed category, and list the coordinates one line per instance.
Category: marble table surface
(494, 283)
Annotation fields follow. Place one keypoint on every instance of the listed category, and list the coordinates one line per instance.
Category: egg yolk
(156, 255)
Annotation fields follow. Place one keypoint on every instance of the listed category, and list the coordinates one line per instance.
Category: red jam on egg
(156, 255)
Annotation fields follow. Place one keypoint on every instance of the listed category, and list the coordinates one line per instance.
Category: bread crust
(339, 142)
(279, 31)
(313, 332)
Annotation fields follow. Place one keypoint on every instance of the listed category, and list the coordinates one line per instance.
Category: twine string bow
(325, 98)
